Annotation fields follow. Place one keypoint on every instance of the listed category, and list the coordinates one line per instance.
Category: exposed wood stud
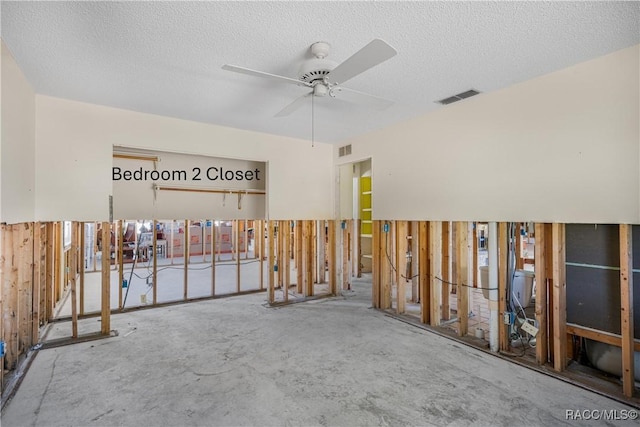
(82, 257)
(299, 257)
(626, 309)
(37, 272)
(236, 248)
(72, 275)
(119, 258)
(271, 255)
(445, 270)
(213, 260)
(105, 326)
(375, 263)
(503, 256)
(424, 274)
(559, 298)
(308, 268)
(462, 276)
(401, 266)
(541, 293)
(435, 259)
(385, 268)
(155, 263)
(332, 257)
(185, 253)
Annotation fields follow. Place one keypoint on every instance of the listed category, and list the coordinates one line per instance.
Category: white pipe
(494, 342)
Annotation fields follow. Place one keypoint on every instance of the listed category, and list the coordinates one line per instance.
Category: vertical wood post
(503, 256)
(332, 257)
(385, 268)
(185, 253)
(424, 273)
(299, 258)
(105, 319)
(462, 276)
(541, 293)
(154, 273)
(446, 268)
(375, 263)
(271, 249)
(286, 228)
(260, 241)
(37, 272)
(82, 256)
(626, 309)
(119, 258)
(73, 275)
(401, 266)
(308, 248)
(237, 251)
(559, 298)
(435, 259)
(213, 259)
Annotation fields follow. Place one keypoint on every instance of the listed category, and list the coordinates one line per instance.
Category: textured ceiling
(165, 57)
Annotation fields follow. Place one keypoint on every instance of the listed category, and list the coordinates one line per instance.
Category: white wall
(17, 148)
(562, 147)
(74, 144)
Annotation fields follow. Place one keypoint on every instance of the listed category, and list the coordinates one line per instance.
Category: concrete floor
(234, 362)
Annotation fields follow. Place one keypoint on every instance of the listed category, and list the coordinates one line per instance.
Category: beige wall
(17, 148)
(75, 141)
(562, 147)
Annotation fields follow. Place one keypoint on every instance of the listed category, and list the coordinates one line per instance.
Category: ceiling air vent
(459, 97)
(344, 151)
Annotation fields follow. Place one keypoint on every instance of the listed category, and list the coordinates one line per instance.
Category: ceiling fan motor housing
(315, 69)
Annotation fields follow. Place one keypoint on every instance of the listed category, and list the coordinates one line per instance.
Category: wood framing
(332, 256)
(213, 259)
(445, 269)
(385, 267)
(236, 248)
(435, 260)
(271, 264)
(154, 273)
(287, 255)
(299, 257)
(119, 259)
(73, 274)
(559, 298)
(308, 268)
(375, 263)
(424, 273)
(82, 257)
(503, 256)
(401, 266)
(626, 309)
(187, 243)
(105, 320)
(541, 293)
(462, 276)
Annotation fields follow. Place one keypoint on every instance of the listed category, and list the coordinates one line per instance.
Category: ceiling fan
(325, 77)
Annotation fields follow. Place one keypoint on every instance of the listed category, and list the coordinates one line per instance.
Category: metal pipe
(494, 342)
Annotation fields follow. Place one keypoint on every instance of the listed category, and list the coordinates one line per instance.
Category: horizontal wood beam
(597, 335)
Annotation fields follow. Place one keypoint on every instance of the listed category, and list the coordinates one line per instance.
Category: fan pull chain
(312, 120)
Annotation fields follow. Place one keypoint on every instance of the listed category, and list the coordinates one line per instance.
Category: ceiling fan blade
(358, 97)
(297, 103)
(255, 73)
(376, 52)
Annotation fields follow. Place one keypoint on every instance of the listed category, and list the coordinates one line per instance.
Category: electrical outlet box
(529, 328)
(507, 318)
(125, 284)
(275, 267)
(1, 348)
(385, 227)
